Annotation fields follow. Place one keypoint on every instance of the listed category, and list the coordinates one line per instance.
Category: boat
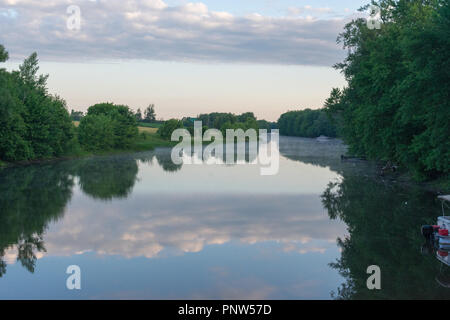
(323, 139)
(438, 240)
(438, 235)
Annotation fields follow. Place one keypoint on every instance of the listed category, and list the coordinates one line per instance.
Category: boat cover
(445, 197)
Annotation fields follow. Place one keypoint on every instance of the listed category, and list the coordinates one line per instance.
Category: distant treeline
(307, 123)
(216, 120)
(396, 106)
(223, 121)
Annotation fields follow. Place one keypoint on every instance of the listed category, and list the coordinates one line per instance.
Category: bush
(108, 126)
(168, 127)
(96, 132)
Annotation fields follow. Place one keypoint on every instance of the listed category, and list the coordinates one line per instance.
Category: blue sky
(273, 7)
(186, 57)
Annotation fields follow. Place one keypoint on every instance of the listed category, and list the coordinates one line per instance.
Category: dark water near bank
(141, 227)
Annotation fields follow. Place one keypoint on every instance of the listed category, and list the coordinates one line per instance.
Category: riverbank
(145, 141)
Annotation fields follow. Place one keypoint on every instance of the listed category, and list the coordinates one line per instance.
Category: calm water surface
(141, 227)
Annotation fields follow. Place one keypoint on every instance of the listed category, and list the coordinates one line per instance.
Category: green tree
(96, 133)
(307, 123)
(396, 104)
(76, 115)
(168, 127)
(150, 114)
(139, 115)
(108, 126)
(33, 124)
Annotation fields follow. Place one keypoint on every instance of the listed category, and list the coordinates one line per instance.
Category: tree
(138, 115)
(306, 123)
(33, 124)
(108, 126)
(96, 132)
(76, 115)
(150, 115)
(396, 103)
(3, 54)
(168, 127)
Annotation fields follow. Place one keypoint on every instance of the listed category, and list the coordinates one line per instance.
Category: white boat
(438, 234)
(438, 240)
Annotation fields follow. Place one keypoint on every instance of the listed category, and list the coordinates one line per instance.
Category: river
(140, 227)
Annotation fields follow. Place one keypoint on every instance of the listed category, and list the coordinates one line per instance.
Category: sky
(187, 58)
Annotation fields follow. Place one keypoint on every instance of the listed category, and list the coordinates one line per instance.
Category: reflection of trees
(384, 227)
(30, 198)
(106, 178)
(165, 161)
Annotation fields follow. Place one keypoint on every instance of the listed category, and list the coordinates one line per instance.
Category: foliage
(249, 123)
(306, 123)
(138, 115)
(150, 114)
(168, 127)
(107, 126)
(387, 234)
(396, 105)
(264, 124)
(96, 132)
(33, 124)
(76, 115)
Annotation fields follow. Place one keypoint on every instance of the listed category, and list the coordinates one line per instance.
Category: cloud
(297, 223)
(152, 30)
(309, 9)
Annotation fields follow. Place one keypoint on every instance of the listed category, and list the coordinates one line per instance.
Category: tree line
(216, 120)
(36, 125)
(395, 106)
(307, 123)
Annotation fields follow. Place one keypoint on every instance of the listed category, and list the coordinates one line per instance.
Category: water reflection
(30, 198)
(383, 221)
(107, 178)
(118, 218)
(143, 205)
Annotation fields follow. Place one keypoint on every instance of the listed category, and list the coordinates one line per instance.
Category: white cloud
(150, 29)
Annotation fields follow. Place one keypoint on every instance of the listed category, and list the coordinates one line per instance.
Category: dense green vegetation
(33, 123)
(306, 123)
(216, 120)
(76, 115)
(37, 125)
(385, 233)
(168, 127)
(223, 121)
(396, 105)
(108, 126)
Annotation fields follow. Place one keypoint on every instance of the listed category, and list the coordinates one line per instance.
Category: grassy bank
(150, 125)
